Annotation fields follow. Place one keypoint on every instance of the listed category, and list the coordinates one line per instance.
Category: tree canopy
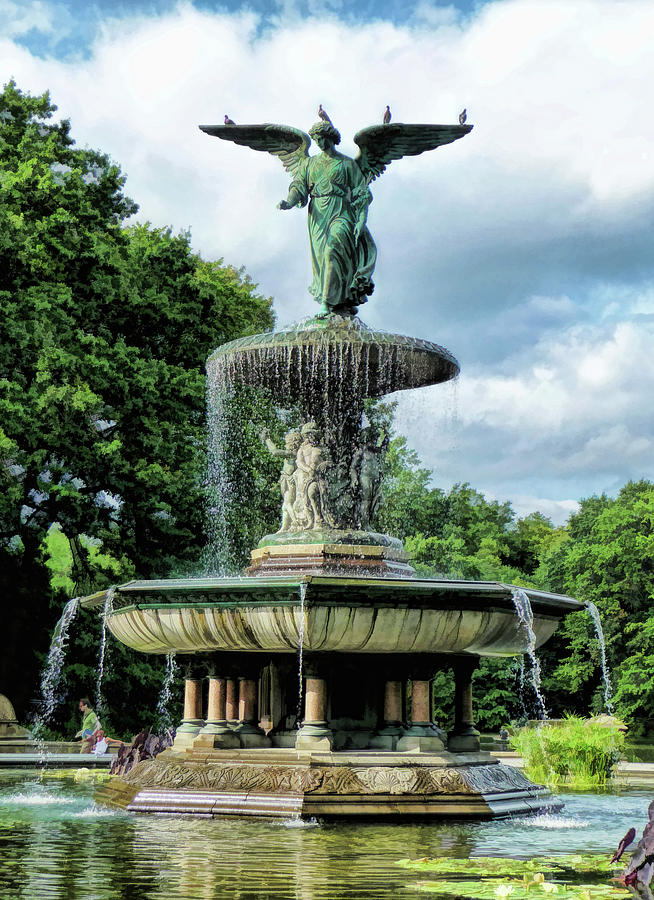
(103, 339)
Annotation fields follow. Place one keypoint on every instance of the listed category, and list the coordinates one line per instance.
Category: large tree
(606, 556)
(103, 337)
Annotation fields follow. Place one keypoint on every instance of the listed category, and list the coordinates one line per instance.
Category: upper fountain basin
(337, 350)
(335, 614)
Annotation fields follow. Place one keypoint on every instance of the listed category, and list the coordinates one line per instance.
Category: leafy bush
(576, 752)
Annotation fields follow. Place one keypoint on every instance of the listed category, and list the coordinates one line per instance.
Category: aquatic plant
(583, 877)
(576, 752)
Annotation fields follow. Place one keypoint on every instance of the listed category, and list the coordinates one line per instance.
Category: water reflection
(54, 843)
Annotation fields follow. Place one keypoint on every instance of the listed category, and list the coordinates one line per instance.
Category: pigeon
(463, 116)
(323, 115)
(387, 115)
(229, 121)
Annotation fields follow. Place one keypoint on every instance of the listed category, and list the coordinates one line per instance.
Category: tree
(103, 338)
(607, 558)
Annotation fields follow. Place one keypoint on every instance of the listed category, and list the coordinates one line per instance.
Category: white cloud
(19, 18)
(524, 247)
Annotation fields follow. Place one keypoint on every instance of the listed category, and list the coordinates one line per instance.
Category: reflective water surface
(55, 843)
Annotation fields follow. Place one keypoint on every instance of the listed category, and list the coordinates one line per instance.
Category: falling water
(106, 611)
(526, 619)
(521, 688)
(300, 652)
(163, 713)
(220, 487)
(52, 672)
(593, 612)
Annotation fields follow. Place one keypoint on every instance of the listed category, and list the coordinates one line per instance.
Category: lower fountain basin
(333, 614)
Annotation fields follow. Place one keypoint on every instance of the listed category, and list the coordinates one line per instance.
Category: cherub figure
(336, 187)
(313, 461)
(366, 473)
(287, 480)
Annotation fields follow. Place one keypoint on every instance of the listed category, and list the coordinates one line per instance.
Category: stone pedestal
(423, 736)
(392, 730)
(315, 734)
(464, 737)
(307, 784)
(247, 731)
(216, 733)
(192, 721)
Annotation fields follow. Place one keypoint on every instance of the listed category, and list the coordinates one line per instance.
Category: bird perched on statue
(463, 116)
(323, 115)
(229, 121)
(387, 115)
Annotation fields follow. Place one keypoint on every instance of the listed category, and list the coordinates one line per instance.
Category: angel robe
(339, 198)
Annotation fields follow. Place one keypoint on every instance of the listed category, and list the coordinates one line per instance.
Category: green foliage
(578, 753)
(606, 556)
(103, 339)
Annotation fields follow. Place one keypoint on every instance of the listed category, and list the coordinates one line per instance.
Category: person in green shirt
(90, 726)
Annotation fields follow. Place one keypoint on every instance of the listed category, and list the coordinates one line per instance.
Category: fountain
(318, 660)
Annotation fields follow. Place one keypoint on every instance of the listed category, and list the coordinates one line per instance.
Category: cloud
(525, 248)
(19, 19)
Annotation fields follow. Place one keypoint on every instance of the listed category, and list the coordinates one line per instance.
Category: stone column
(314, 734)
(464, 737)
(217, 733)
(192, 720)
(423, 735)
(248, 731)
(387, 736)
(231, 701)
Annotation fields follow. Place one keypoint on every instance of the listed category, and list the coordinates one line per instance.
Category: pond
(55, 843)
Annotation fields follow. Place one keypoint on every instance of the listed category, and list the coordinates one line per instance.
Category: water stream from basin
(163, 713)
(593, 612)
(107, 610)
(526, 619)
(51, 676)
(300, 653)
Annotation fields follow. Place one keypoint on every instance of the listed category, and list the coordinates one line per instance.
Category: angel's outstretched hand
(284, 204)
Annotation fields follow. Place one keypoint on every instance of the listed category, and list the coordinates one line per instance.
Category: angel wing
(379, 145)
(289, 144)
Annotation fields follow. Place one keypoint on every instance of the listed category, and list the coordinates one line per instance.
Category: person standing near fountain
(91, 727)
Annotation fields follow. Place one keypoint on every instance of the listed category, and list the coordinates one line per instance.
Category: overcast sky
(524, 248)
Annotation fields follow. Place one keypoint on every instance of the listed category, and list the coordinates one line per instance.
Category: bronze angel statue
(336, 187)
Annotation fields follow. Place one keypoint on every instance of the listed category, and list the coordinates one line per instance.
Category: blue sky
(525, 248)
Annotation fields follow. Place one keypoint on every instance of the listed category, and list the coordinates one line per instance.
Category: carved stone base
(330, 552)
(329, 559)
(310, 784)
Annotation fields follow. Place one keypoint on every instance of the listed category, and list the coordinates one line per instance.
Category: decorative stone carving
(313, 462)
(486, 779)
(366, 472)
(287, 480)
(384, 780)
(225, 777)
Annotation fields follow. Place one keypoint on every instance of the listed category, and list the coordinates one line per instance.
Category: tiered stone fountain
(308, 690)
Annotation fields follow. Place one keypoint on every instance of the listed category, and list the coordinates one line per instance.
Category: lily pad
(579, 877)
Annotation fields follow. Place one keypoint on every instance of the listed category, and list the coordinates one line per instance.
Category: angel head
(323, 132)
